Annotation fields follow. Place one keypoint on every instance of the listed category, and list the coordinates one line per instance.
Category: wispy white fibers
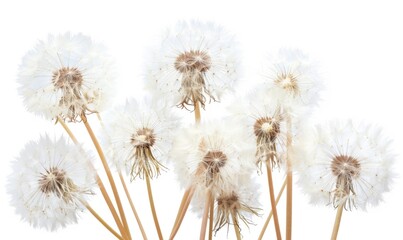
(50, 179)
(65, 76)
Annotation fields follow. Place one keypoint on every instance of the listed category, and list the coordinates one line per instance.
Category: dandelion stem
(289, 181)
(197, 111)
(108, 173)
(271, 212)
(211, 220)
(98, 180)
(187, 197)
(67, 129)
(101, 220)
(272, 200)
(132, 206)
(151, 200)
(205, 216)
(337, 221)
(236, 226)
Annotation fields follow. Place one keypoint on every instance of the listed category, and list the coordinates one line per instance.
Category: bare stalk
(272, 201)
(211, 220)
(101, 220)
(187, 197)
(132, 206)
(197, 111)
(205, 216)
(289, 181)
(151, 200)
(108, 172)
(271, 212)
(337, 222)
(98, 180)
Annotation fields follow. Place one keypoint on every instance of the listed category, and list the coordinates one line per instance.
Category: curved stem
(337, 222)
(99, 218)
(108, 173)
(187, 197)
(98, 180)
(132, 206)
(271, 212)
(151, 200)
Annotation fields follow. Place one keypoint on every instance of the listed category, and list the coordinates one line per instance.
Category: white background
(359, 46)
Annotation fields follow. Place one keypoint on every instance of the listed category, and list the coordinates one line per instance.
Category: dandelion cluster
(219, 162)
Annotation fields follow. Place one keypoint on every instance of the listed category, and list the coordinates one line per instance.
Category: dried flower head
(212, 155)
(347, 164)
(140, 135)
(266, 123)
(66, 76)
(292, 80)
(235, 206)
(49, 183)
(196, 62)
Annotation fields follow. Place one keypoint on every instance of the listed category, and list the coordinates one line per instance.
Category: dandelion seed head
(346, 163)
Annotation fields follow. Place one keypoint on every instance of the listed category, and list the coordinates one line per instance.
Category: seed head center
(193, 60)
(143, 137)
(214, 160)
(266, 127)
(345, 166)
(67, 77)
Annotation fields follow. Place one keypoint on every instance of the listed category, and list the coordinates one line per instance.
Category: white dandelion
(212, 155)
(50, 182)
(140, 135)
(237, 205)
(266, 124)
(348, 164)
(197, 63)
(292, 79)
(65, 76)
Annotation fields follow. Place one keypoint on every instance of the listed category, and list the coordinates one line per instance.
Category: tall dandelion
(140, 135)
(348, 166)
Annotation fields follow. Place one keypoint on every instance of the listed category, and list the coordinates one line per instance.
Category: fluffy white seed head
(49, 181)
(139, 136)
(347, 164)
(212, 155)
(196, 62)
(292, 80)
(65, 76)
